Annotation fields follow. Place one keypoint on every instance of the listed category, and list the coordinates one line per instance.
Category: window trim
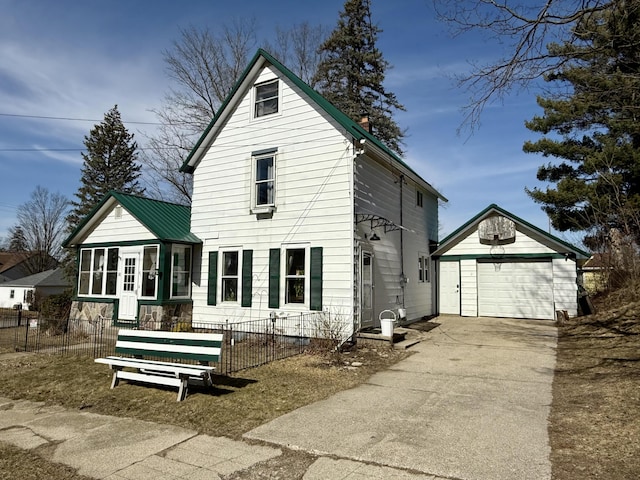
(254, 99)
(237, 276)
(255, 156)
(152, 272)
(419, 199)
(184, 248)
(103, 274)
(424, 268)
(306, 299)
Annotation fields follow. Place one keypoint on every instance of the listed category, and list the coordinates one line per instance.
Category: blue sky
(77, 59)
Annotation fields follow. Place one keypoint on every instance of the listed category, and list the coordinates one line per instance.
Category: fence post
(26, 329)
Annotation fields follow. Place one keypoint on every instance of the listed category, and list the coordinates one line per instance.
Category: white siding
(524, 244)
(565, 285)
(468, 288)
(111, 229)
(313, 200)
(19, 296)
(377, 192)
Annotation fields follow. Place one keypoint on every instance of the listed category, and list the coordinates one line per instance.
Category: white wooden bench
(134, 345)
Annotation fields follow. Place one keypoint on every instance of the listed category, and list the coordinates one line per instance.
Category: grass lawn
(236, 405)
(594, 425)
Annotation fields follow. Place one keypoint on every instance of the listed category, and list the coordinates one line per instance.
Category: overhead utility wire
(44, 117)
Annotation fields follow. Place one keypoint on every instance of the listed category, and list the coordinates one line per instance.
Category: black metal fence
(246, 344)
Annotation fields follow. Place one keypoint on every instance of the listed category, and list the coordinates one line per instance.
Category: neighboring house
(595, 272)
(25, 291)
(296, 209)
(498, 265)
(134, 261)
(15, 265)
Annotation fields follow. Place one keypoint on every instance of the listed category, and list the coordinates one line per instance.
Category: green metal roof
(493, 207)
(351, 126)
(169, 222)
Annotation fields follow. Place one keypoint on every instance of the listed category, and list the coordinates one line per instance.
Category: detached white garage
(498, 265)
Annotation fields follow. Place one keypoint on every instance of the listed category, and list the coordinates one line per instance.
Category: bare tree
(43, 225)
(204, 67)
(298, 48)
(524, 29)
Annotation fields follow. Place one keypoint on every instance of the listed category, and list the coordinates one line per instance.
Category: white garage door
(518, 290)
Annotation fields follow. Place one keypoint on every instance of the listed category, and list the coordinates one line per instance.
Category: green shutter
(315, 302)
(274, 278)
(212, 287)
(247, 277)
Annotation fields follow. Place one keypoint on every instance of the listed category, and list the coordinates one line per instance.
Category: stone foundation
(166, 317)
(86, 316)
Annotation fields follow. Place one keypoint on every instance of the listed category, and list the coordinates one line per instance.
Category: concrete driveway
(472, 402)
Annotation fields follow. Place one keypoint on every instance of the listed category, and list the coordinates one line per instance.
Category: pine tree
(110, 163)
(352, 73)
(17, 241)
(595, 129)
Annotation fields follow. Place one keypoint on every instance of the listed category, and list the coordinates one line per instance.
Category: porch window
(180, 271)
(150, 271)
(98, 271)
(295, 278)
(266, 99)
(230, 276)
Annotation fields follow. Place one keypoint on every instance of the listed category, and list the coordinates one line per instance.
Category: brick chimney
(364, 122)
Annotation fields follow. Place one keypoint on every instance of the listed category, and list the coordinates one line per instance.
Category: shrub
(54, 312)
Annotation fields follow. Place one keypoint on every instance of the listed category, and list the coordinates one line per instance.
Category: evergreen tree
(17, 241)
(595, 126)
(110, 163)
(352, 73)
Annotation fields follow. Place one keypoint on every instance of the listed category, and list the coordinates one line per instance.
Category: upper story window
(266, 99)
(419, 198)
(264, 179)
(180, 271)
(98, 271)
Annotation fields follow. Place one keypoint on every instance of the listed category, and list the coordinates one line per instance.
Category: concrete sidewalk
(471, 403)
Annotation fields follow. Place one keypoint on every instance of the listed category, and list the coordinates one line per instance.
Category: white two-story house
(296, 208)
(300, 209)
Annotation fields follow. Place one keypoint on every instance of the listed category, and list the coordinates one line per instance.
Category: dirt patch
(595, 416)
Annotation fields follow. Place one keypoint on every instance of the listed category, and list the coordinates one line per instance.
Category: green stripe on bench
(171, 341)
(200, 357)
(202, 347)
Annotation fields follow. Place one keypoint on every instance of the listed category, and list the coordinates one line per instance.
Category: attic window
(117, 212)
(266, 98)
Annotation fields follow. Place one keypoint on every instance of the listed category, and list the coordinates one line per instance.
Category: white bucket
(387, 324)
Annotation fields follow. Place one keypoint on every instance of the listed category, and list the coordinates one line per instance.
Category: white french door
(128, 309)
